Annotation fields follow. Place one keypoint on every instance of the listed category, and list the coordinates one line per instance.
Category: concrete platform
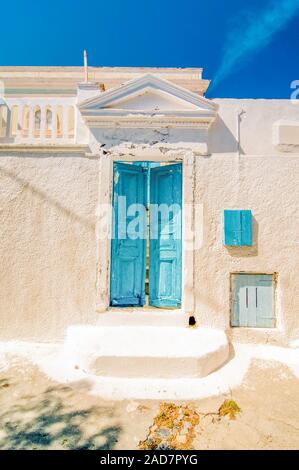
(145, 351)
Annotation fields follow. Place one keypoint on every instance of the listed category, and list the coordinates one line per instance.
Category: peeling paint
(116, 177)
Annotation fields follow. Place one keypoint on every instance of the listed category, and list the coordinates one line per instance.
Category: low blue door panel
(252, 297)
(128, 248)
(165, 267)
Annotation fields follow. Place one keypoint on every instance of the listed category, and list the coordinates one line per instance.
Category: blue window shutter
(237, 228)
(252, 301)
(232, 228)
(246, 228)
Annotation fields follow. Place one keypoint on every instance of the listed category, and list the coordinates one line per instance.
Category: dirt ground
(37, 413)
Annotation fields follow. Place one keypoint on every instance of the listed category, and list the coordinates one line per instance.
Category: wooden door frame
(103, 243)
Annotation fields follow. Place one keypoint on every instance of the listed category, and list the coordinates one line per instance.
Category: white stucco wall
(48, 246)
(256, 133)
(265, 180)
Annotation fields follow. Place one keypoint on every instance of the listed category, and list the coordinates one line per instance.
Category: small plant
(229, 408)
(173, 428)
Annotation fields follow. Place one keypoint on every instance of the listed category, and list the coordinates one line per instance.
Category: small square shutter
(237, 228)
(252, 300)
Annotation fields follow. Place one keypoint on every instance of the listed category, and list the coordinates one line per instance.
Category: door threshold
(143, 316)
(145, 308)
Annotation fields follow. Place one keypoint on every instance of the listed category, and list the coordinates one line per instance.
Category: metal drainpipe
(239, 120)
(240, 113)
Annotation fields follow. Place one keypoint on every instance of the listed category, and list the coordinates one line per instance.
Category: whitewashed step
(145, 351)
(145, 316)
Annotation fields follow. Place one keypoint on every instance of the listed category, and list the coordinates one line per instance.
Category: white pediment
(148, 97)
(152, 101)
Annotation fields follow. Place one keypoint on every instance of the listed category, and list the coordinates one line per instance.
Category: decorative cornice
(149, 122)
(40, 92)
(27, 148)
(177, 113)
(18, 79)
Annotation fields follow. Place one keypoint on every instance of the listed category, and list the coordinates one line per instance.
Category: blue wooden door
(128, 248)
(165, 266)
(253, 301)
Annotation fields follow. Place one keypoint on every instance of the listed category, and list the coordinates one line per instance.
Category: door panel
(128, 247)
(165, 272)
(253, 301)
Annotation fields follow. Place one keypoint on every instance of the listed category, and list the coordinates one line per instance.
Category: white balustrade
(45, 122)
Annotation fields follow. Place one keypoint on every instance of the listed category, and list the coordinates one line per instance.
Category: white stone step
(146, 316)
(145, 351)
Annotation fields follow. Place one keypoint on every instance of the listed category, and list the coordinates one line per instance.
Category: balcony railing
(37, 123)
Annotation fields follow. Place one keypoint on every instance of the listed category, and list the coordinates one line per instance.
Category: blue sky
(250, 48)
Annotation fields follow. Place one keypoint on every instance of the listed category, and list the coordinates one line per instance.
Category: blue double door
(147, 214)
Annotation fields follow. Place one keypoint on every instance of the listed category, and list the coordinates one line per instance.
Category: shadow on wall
(44, 197)
(221, 139)
(246, 251)
(44, 421)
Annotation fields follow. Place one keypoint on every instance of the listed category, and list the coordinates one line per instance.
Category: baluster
(54, 122)
(14, 125)
(19, 121)
(31, 122)
(65, 122)
(25, 120)
(43, 122)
